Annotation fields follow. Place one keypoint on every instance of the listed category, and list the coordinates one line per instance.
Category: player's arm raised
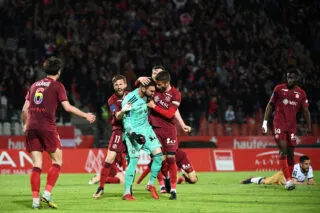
(74, 110)
(141, 80)
(119, 115)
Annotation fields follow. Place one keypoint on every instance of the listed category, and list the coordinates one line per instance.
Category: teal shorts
(133, 148)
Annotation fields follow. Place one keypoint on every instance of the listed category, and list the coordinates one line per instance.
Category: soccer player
(116, 144)
(38, 119)
(164, 105)
(287, 99)
(302, 175)
(145, 80)
(183, 164)
(115, 175)
(138, 134)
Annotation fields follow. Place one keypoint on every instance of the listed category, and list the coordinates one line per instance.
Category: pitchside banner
(203, 160)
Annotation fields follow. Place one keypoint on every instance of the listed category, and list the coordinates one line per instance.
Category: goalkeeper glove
(127, 107)
(137, 137)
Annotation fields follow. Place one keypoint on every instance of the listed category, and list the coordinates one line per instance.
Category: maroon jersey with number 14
(44, 97)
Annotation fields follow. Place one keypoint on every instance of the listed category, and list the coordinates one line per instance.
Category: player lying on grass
(302, 175)
(183, 164)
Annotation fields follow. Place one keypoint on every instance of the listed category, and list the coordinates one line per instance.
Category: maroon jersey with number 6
(44, 97)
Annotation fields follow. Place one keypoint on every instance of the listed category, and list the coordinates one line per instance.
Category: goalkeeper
(138, 134)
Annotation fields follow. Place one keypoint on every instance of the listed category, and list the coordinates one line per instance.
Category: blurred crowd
(225, 56)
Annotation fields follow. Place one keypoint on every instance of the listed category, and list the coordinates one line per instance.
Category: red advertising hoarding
(203, 160)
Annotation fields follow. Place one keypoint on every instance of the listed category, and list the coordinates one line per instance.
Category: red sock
(35, 181)
(291, 165)
(181, 179)
(105, 170)
(112, 180)
(165, 168)
(160, 179)
(143, 175)
(285, 168)
(52, 176)
(172, 171)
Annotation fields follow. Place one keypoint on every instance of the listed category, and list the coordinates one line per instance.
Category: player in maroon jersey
(183, 164)
(164, 105)
(287, 99)
(116, 144)
(39, 123)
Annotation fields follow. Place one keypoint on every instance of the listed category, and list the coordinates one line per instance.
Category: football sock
(164, 168)
(160, 179)
(105, 170)
(291, 165)
(285, 167)
(112, 180)
(256, 180)
(155, 167)
(173, 172)
(35, 181)
(52, 177)
(129, 176)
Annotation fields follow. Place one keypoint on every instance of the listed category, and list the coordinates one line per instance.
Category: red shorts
(289, 136)
(116, 144)
(39, 140)
(168, 139)
(183, 162)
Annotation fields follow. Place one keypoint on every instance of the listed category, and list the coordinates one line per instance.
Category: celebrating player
(138, 134)
(302, 174)
(164, 106)
(288, 99)
(116, 144)
(38, 119)
(183, 164)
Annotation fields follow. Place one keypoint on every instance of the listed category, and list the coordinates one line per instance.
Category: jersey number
(38, 96)
(277, 131)
(117, 139)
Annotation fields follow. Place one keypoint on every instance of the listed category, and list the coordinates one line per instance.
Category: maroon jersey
(168, 103)
(114, 103)
(287, 103)
(44, 97)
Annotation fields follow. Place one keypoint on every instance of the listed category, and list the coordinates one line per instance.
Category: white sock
(256, 180)
(47, 193)
(173, 190)
(36, 201)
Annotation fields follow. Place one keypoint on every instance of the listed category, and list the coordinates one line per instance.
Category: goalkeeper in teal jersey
(138, 134)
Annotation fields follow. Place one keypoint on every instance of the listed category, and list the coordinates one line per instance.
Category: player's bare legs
(104, 173)
(284, 164)
(35, 178)
(52, 177)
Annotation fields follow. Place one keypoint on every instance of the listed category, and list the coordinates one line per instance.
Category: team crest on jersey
(297, 96)
(285, 101)
(168, 98)
(156, 99)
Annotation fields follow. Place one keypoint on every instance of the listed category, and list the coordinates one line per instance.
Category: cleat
(99, 192)
(37, 206)
(173, 195)
(290, 185)
(163, 190)
(128, 197)
(48, 200)
(246, 181)
(153, 191)
(94, 180)
(181, 180)
(167, 184)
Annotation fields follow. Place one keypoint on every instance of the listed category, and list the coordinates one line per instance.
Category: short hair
(151, 83)
(163, 76)
(119, 77)
(52, 65)
(303, 158)
(158, 67)
(293, 70)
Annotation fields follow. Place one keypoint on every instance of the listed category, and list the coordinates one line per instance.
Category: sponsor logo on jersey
(286, 102)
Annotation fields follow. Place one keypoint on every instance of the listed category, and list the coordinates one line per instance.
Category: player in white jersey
(302, 175)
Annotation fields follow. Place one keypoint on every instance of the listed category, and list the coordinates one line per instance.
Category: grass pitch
(215, 192)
